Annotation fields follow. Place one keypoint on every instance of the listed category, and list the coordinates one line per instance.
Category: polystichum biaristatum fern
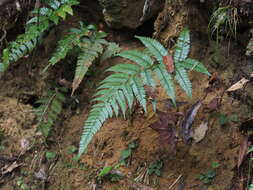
(118, 90)
(44, 18)
(89, 45)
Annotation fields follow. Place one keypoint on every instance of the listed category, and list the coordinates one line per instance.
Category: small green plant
(21, 184)
(208, 177)
(224, 20)
(127, 153)
(72, 149)
(155, 168)
(50, 108)
(44, 18)
(107, 171)
(88, 44)
(50, 156)
(225, 119)
(251, 186)
(118, 91)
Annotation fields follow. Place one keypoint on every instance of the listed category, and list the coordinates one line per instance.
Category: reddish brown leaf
(243, 151)
(168, 61)
(164, 126)
(188, 120)
(214, 104)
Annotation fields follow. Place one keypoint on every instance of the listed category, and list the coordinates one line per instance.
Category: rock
(127, 13)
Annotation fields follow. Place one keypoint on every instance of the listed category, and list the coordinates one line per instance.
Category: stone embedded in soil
(127, 13)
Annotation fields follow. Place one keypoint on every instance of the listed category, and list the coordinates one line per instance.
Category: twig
(174, 183)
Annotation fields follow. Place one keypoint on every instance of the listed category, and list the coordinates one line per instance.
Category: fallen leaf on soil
(164, 126)
(214, 104)
(238, 85)
(9, 168)
(168, 62)
(200, 132)
(42, 174)
(139, 186)
(251, 75)
(188, 120)
(243, 151)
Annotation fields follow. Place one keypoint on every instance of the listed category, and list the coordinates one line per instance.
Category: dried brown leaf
(164, 126)
(188, 120)
(238, 85)
(214, 104)
(200, 132)
(243, 151)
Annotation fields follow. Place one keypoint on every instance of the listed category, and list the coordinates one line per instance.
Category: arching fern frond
(118, 90)
(89, 43)
(34, 29)
(50, 107)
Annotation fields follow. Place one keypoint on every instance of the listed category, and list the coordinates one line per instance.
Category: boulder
(128, 13)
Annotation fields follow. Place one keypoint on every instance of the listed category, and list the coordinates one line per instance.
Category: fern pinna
(50, 108)
(117, 91)
(34, 29)
(89, 44)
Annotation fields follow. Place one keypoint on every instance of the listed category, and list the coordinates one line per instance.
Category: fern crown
(117, 92)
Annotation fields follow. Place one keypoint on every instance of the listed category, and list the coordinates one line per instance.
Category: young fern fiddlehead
(118, 91)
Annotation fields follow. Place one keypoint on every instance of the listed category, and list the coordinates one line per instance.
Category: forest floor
(218, 160)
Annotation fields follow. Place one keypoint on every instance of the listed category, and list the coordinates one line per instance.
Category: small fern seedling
(90, 44)
(49, 109)
(34, 30)
(117, 91)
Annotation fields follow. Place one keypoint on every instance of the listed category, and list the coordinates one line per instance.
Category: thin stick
(174, 183)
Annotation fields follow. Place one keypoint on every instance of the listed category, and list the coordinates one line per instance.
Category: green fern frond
(182, 46)
(89, 43)
(194, 65)
(118, 90)
(34, 30)
(49, 110)
(154, 47)
(183, 80)
(111, 50)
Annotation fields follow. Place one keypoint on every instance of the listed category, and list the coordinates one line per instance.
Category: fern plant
(34, 29)
(117, 91)
(89, 44)
(50, 108)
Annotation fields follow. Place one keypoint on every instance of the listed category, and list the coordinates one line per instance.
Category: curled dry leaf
(165, 127)
(243, 151)
(240, 84)
(169, 63)
(200, 132)
(188, 120)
